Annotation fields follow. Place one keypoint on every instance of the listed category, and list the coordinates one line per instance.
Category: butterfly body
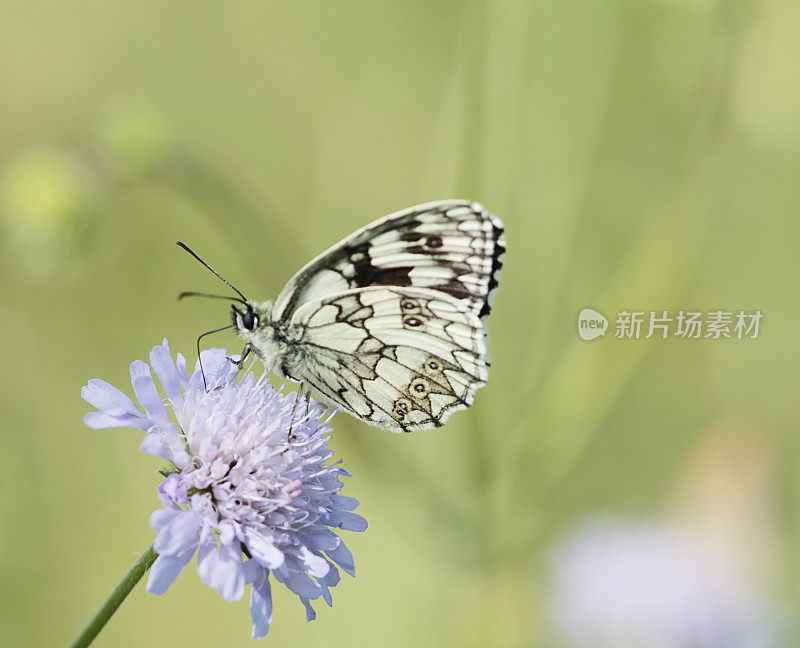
(388, 324)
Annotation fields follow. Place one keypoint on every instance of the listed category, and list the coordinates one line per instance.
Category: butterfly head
(253, 322)
(250, 316)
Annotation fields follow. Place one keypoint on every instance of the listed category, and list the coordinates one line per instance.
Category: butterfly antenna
(192, 293)
(199, 359)
(219, 276)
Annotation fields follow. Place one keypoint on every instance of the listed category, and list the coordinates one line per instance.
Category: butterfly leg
(245, 352)
(289, 436)
(240, 362)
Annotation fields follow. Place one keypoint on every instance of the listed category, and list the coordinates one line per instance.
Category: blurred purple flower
(248, 501)
(621, 584)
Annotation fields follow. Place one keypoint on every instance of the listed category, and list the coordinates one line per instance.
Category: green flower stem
(122, 590)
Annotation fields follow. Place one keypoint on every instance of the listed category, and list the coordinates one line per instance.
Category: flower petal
(162, 517)
(145, 390)
(206, 561)
(300, 583)
(341, 556)
(216, 365)
(173, 492)
(230, 580)
(105, 396)
(116, 409)
(264, 551)
(326, 595)
(164, 366)
(322, 539)
(153, 444)
(344, 502)
(179, 534)
(222, 568)
(183, 374)
(331, 579)
(227, 532)
(116, 418)
(165, 570)
(316, 565)
(260, 603)
(347, 521)
(311, 614)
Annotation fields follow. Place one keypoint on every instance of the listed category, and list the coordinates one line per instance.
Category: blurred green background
(643, 155)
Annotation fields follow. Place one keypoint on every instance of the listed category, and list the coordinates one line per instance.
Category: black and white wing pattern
(400, 358)
(455, 247)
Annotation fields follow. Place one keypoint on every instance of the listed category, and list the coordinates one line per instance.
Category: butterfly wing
(400, 358)
(455, 247)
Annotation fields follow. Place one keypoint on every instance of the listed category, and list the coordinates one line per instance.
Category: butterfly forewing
(399, 358)
(455, 247)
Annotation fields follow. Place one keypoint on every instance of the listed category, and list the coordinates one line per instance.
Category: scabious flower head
(238, 491)
(621, 584)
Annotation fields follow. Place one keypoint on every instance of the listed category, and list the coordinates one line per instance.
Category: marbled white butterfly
(388, 324)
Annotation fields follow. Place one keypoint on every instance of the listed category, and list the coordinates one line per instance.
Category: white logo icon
(591, 324)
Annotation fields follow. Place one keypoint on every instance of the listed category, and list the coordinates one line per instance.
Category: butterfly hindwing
(399, 358)
(455, 247)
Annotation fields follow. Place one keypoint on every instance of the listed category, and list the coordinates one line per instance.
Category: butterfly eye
(249, 320)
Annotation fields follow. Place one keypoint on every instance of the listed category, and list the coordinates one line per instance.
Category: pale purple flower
(249, 501)
(617, 583)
